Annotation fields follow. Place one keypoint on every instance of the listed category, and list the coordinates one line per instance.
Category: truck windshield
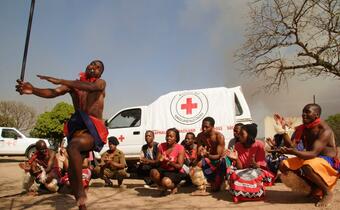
(125, 119)
(238, 107)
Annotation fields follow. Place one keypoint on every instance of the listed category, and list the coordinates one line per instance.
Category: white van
(183, 110)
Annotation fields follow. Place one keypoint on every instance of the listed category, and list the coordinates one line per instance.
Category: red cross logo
(189, 106)
(121, 138)
(10, 143)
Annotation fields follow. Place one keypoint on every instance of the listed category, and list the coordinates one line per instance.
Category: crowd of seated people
(305, 160)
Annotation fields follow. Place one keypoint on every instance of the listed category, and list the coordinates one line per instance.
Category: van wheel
(30, 152)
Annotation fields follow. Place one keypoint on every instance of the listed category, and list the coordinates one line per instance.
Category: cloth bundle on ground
(249, 183)
(197, 178)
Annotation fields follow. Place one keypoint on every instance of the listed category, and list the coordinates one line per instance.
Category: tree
(50, 124)
(6, 121)
(17, 114)
(287, 38)
(334, 122)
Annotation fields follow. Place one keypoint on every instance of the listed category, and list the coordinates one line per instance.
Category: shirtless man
(85, 130)
(317, 159)
(210, 147)
(45, 158)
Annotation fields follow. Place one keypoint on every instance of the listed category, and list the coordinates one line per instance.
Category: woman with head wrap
(249, 174)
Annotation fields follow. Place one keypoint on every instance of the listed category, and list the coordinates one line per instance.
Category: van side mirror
(106, 123)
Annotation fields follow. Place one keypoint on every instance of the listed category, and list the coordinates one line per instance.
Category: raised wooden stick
(28, 33)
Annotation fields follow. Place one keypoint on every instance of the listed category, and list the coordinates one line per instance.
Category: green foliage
(50, 124)
(334, 122)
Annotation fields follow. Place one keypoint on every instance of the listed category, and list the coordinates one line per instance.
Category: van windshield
(238, 107)
(126, 119)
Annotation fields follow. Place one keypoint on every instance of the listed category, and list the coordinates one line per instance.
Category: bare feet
(200, 193)
(316, 193)
(82, 207)
(326, 200)
(81, 202)
(32, 193)
(119, 181)
(174, 191)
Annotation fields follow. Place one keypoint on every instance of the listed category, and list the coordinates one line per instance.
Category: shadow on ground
(11, 160)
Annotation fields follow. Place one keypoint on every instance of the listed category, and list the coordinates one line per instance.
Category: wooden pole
(28, 33)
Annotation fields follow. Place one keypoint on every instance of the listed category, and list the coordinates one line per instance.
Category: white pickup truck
(13, 142)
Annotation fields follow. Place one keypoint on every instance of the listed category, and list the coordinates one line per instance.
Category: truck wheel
(30, 152)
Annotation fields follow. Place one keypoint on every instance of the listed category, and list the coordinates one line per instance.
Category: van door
(11, 142)
(126, 126)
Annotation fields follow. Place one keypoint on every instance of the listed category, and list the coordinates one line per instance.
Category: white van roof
(186, 109)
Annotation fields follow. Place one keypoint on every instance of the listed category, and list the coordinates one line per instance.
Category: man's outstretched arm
(98, 85)
(26, 88)
(318, 146)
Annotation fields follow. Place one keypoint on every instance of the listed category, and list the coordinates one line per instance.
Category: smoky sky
(149, 48)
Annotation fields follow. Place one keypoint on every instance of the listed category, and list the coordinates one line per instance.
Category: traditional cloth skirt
(323, 166)
(82, 121)
(86, 177)
(273, 162)
(215, 170)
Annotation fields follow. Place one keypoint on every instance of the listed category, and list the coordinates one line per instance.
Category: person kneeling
(112, 165)
(171, 158)
(249, 175)
(315, 170)
(148, 158)
(41, 168)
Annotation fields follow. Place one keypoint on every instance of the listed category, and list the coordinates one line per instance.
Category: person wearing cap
(112, 164)
(249, 174)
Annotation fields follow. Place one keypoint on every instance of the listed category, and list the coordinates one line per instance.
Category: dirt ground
(135, 196)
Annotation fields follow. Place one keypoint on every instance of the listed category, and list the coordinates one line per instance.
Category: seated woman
(171, 158)
(249, 175)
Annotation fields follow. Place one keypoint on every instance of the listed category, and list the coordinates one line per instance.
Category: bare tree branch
(20, 115)
(287, 38)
